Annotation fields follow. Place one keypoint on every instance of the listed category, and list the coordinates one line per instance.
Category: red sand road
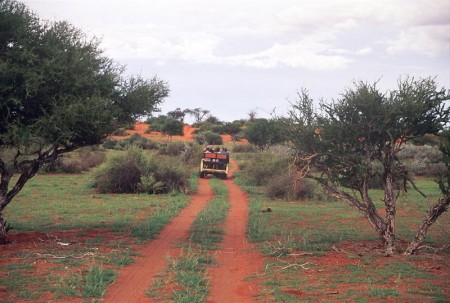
(236, 258)
(134, 279)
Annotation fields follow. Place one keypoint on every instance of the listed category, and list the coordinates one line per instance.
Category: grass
(295, 233)
(64, 208)
(207, 228)
(186, 279)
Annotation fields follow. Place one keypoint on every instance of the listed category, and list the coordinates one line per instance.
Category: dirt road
(134, 279)
(236, 258)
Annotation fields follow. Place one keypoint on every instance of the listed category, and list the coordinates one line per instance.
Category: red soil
(237, 259)
(135, 279)
(141, 128)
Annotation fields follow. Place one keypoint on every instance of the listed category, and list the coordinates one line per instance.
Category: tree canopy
(352, 141)
(58, 92)
(264, 133)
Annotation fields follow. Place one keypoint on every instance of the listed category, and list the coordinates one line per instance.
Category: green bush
(264, 166)
(76, 162)
(171, 149)
(136, 140)
(191, 154)
(110, 144)
(208, 137)
(422, 160)
(286, 186)
(136, 170)
(120, 132)
(272, 170)
(244, 148)
(172, 174)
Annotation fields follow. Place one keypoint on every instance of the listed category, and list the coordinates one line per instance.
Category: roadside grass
(185, 280)
(75, 239)
(324, 249)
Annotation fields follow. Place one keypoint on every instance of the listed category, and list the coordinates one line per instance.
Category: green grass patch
(383, 293)
(207, 229)
(312, 228)
(52, 203)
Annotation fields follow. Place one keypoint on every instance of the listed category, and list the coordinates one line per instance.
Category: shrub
(264, 166)
(244, 148)
(90, 158)
(120, 132)
(172, 174)
(110, 144)
(122, 172)
(286, 186)
(208, 137)
(135, 170)
(76, 162)
(138, 141)
(191, 154)
(70, 166)
(171, 149)
(422, 160)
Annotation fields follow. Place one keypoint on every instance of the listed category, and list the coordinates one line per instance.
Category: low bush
(138, 141)
(264, 166)
(287, 186)
(136, 170)
(272, 169)
(191, 154)
(423, 160)
(120, 132)
(122, 172)
(110, 144)
(171, 149)
(244, 148)
(172, 174)
(76, 162)
(209, 138)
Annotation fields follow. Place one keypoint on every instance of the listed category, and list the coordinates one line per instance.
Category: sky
(232, 57)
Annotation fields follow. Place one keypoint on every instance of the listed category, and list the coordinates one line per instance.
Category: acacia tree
(357, 138)
(139, 97)
(57, 93)
(198, 114)
(263, 132)
(178, 114)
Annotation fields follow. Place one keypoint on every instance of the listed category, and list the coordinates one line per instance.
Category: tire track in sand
(237, 259)
(135, 279)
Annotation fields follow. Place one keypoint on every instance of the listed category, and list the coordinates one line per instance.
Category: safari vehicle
(214, 164)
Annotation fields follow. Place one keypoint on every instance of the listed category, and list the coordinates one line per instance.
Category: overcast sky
(234, 56)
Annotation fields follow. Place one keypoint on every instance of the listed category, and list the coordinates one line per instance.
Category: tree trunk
(388, 235)
(4, 227)
(433, 214)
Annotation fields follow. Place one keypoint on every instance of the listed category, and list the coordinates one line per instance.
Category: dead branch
(295, 265)
(64, 257)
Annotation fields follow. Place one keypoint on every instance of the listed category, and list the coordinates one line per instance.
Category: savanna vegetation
(387, 155)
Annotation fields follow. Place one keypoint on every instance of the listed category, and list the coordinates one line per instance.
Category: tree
(139, 97)
(252, 115)
(173, 127)
(264, 133)
(233, 128)
(57, 93)
(178, 114)
(198, 114)
(342, 146)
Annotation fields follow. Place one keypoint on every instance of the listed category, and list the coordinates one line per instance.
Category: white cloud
(427, 40)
